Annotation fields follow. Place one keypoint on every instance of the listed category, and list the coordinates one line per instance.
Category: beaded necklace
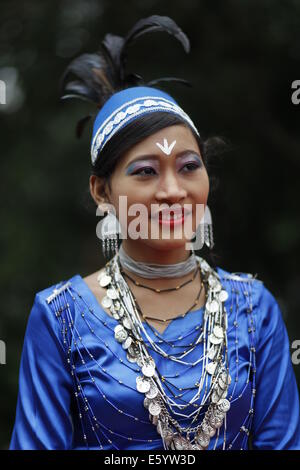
(59, 301)
(161, 407)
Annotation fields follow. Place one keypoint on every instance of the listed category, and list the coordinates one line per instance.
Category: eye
(146, 171)
(191, 166)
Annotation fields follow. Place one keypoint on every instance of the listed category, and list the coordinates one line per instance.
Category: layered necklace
(213, 335)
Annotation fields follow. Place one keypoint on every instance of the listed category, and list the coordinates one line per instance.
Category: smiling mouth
(171, 217)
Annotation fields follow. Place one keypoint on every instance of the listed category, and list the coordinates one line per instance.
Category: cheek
(201, 188)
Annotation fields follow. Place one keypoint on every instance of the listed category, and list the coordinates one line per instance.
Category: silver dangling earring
(204, 232)
(208, 229)
(110, 229)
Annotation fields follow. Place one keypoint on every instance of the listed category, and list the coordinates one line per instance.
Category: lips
(167, 214)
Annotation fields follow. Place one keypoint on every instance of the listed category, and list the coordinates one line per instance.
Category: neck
(147, 254)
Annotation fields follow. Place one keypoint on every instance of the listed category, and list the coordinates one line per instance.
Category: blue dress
(77, 389)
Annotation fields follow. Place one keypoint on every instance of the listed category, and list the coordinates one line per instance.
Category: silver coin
(224, 394)
(143, 386)
(218, 332)
(163, 430)
(106, 302)
(218, 287)
(215, 397)
(133, 349)
(153, 392)
(167, 433)
(154, 408)
(220, 390)
(104, 280)
(215, 422)
(223, 376)
(146, 402)
(179, 443)
(224, 405)
(218, 414)
(121, 311)
(221, 384)
(225, 379)
(127, 343)
(112, 293)
(112, 309)
(121, 336)
(130, 358)
(127, 323)
(212, 353)
(214, 340)
(208, 429)
(223, 296)
(204, 265)
(203, 439)
(118, 328)
(211, 367)
(212, 281)
(212, 306)
(148, 370)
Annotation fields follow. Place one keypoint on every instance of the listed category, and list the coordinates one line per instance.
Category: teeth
(169, 217)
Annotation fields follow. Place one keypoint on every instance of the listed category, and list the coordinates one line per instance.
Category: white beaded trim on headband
(119, 117)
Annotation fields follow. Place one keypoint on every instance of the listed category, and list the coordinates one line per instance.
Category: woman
(157, 350)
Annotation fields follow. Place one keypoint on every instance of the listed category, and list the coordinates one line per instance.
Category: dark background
(244, 57)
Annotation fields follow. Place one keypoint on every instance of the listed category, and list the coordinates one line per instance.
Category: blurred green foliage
(244, 57)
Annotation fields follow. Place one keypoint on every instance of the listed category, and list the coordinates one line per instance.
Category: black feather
(156, 23)
(95, 77)
(169, 79)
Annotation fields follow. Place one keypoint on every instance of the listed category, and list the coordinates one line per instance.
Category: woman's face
(164, 170)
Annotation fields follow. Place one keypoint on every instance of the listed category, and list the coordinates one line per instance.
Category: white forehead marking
(167, 149)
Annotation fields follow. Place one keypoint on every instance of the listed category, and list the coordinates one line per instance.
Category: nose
(170, 188)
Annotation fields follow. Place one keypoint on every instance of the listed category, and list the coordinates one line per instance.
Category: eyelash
(139, 172)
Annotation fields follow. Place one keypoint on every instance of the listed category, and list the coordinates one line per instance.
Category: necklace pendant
(120, 333)
(212, 306)
(127, 323)
(203, 440)
(154, 408)
(211, 367)
(148, 369)
(153, 392)
(214, 340)
(207, 428)
(142, 384)
(106, 302)
(130, 358)
(218, 332)
(224, 405)
(112, 293)
(223, 296)
(127, 343)
(179, 443)
(104, 279)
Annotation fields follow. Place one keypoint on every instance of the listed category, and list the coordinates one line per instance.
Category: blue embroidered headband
(126, 106)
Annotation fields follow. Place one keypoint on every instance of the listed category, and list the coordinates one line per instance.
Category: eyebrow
(157, 157)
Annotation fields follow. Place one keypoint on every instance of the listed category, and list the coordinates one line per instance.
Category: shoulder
(243, 283)
(253, 293)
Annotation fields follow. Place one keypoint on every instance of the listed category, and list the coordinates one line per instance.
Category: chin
(167, 245)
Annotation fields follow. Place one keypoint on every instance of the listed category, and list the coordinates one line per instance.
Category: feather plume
(95, 77)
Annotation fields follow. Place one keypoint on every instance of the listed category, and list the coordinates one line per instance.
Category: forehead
(182, 134)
